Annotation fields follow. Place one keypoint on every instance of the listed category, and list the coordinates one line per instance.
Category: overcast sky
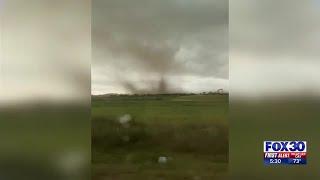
(274, 47)
(45, 50)
(159, 46)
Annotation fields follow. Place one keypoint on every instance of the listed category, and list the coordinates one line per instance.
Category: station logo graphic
(285, 152)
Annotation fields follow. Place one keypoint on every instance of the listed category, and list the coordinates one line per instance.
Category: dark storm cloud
(152, 41)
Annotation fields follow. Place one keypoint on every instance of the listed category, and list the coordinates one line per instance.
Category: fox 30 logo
(285, 152)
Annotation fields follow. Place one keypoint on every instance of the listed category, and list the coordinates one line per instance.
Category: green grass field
(189, 131)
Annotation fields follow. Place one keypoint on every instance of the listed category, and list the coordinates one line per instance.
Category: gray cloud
(147, 45)
(274, 48)
(44, 51)
(275, 28)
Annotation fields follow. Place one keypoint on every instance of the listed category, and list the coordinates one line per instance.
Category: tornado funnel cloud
(170, 46)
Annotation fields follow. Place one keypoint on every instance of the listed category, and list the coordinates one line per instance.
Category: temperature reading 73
(296, 161)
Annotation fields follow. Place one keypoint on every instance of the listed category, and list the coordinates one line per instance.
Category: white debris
(71, 162)
(125, 119)
(162, 160)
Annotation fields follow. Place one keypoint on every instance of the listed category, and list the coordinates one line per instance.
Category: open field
(160, 137)
(39, 139)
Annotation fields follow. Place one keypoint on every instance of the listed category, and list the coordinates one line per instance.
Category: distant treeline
(168, 94)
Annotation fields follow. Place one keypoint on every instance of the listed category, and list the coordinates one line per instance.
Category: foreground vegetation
(160, 137)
